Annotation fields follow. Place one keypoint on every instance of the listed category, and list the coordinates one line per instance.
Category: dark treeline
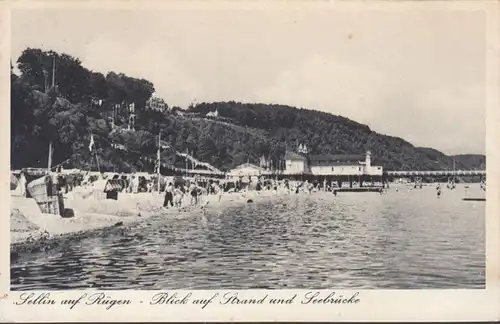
(324, 133)
(472, 161)
(64, 105)
(81, 103)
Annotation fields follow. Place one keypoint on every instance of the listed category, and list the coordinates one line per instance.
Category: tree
(242, 132)
(130, 90)
(98, 85)
(42, 69)
(34, 68)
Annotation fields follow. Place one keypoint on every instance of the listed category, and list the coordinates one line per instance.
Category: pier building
(295, 163)
(331, 165)
(327, 167)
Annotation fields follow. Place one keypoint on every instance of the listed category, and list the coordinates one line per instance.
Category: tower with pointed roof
(368, 159)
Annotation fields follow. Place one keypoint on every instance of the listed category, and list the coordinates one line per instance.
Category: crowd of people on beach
(175, 189)
(182, 192)
(196, 189)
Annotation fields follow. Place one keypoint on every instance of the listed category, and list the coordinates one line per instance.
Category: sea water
(403, 239)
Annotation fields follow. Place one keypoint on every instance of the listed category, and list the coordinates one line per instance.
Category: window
(333, 168)
(359, 168)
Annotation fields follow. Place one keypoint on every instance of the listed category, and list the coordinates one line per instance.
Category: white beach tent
(246, 170)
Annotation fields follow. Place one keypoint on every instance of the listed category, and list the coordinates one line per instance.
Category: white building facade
(157, 104)
(331, 165)
(295, 163)
(245, 170)
(213, 114)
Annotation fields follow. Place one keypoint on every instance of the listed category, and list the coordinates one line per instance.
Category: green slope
(471, 161)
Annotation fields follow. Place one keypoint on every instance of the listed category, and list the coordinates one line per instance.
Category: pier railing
(171, 169)
(438, 173)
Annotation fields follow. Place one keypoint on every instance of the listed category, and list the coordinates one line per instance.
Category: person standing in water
(169, 196)
(218, 191)
(178, 194)
(438, 190)
(194, 194)
(22, 184)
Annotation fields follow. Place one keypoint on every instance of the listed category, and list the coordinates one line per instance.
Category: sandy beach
(33, 231)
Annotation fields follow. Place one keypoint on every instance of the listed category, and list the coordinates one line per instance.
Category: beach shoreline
(32, 231)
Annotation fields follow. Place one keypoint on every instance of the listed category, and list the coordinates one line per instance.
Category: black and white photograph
(183, 149)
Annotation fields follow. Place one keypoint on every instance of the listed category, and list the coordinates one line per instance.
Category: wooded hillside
(82, 102)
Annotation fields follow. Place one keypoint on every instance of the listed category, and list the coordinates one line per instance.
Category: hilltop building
(119, 147)
(213, 113)
(157, 104)
(131, 118)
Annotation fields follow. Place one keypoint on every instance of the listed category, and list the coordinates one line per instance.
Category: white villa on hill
(158, 104)
(213, 113)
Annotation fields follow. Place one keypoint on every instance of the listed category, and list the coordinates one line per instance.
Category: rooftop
(248, 165)
(289, 155)
(337, 158)
(335, 163)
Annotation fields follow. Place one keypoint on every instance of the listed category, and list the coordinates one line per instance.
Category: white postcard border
(374, 305)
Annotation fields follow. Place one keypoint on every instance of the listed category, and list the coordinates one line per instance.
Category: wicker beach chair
(44, 191)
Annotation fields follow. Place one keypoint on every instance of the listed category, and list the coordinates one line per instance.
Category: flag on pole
(91, 145)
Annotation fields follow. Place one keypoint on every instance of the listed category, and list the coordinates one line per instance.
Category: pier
(437, 173)
(361, 189)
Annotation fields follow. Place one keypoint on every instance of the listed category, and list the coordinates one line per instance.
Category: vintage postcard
(250, 161)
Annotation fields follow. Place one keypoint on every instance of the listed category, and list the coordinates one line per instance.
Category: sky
(418, 75)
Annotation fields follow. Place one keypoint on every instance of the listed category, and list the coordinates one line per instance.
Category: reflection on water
(400, 240)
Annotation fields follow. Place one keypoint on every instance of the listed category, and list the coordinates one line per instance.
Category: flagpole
(159, 160)
(50, 156)
(91, 148)
(97, 161)
(54, 71)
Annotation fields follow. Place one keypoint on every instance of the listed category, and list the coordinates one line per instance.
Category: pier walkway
(438, 173)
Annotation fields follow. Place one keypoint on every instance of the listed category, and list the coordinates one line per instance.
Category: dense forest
(80, 102)
(471, 161)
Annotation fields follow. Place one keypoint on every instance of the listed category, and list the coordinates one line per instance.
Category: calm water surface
(400, 240)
